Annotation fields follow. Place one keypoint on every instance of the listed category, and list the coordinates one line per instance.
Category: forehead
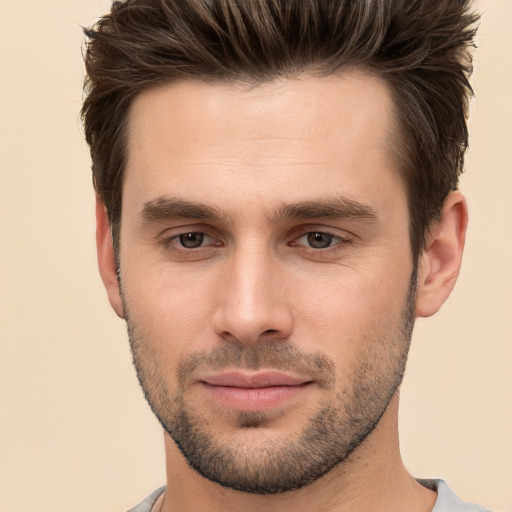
(299, 136)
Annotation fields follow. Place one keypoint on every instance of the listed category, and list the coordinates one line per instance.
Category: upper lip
(261, 379)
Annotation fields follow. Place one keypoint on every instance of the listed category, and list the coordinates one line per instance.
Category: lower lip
(255, 399)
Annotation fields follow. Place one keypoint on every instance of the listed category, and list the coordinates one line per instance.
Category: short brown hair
(420, 47)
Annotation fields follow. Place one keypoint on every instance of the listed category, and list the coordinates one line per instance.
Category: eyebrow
(329, 208)
(168, 208)
(165, 208)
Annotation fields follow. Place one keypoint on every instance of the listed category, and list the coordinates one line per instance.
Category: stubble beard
(327, 439)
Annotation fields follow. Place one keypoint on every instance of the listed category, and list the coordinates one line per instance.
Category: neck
(372, 479)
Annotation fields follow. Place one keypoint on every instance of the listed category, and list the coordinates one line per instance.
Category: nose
(252, 302)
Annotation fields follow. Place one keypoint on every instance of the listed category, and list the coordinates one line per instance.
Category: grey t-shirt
(446, 499)
(147, 504)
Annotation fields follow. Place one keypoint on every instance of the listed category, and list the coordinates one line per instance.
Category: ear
(106, 260)
(440, 261)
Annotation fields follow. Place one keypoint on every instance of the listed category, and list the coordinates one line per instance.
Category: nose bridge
(253, 301)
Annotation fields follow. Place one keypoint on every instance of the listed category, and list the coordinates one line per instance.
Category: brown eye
(191, 240)
(319, 240)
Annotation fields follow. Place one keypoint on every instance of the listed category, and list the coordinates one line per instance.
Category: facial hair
(339, 426)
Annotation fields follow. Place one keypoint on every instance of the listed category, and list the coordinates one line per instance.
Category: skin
(245, 152)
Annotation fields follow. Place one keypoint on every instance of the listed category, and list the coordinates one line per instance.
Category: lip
(239, 379)
(254, 391)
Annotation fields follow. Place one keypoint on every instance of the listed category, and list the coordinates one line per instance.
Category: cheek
(353, 307)
(169, 311)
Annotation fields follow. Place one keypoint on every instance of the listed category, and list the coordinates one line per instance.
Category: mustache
(268, 354)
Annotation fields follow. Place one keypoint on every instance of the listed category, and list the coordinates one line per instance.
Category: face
(266, 274)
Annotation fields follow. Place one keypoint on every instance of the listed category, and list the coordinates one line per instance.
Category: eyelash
(168, 242)
(338, 243)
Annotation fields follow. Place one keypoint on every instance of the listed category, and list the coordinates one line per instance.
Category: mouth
(254, 391)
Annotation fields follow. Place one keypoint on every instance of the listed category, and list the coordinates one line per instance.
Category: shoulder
(447, 501)
(147, 504)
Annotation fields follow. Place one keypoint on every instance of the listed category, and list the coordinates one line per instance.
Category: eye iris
(319, 240)
(191, 240)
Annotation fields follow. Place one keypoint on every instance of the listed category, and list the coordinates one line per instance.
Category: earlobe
(440, 262)
(106, 260)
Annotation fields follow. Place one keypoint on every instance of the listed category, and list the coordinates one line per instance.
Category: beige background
(76, 434)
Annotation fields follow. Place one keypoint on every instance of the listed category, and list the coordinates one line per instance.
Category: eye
(188, 241)
(191, 240)
(319, 240)
(189, 245)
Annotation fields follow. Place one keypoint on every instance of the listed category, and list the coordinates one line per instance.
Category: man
(276, 202)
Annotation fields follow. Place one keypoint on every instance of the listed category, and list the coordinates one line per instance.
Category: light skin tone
(275, 216)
